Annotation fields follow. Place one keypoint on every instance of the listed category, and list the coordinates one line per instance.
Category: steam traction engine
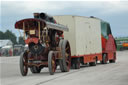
(46, 45)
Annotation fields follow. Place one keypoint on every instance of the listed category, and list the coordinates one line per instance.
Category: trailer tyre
(23, 64)
(111, 61)
(66, 55)
(114, 59)
(76, 63)
(92, 63)
(51, 62)
(104, 60)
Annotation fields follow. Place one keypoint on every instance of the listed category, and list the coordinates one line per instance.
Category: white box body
(84, 34)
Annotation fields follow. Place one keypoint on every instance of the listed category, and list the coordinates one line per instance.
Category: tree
(8, 35)
(1, 35)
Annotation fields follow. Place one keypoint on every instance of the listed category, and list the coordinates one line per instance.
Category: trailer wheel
(51, 62)
(104, 60)
(35, 69)
(76, 63)
(111, 61)
(66, 55)
(92, 63)
(114, 59)
(23, 64)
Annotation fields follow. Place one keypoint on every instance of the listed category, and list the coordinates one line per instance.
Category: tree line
(11, 36)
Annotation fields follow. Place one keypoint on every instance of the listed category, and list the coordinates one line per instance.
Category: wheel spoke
(66, 49)
(67, 62)
(53, 64)
(23, 64)
(66, 55)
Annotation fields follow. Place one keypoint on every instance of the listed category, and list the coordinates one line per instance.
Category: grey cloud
(16, 10)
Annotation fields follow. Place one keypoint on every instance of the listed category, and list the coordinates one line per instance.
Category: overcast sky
(114, 12)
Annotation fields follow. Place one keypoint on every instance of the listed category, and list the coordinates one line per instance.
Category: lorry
(124, 45)
(90, 38)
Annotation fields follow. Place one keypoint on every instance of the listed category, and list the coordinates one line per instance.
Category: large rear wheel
(66, 55)
(60, 60)
(23, 64)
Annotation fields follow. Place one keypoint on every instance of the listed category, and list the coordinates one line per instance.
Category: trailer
(46, 45)
(90, 38)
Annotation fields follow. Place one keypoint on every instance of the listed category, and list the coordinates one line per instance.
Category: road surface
(108, 74)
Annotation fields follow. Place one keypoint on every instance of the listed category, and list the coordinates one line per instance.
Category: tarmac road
(109, 74)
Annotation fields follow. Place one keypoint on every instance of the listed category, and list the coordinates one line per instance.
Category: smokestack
(36, 15)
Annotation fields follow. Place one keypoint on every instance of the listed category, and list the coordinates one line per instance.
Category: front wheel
(51, 62)
(23, 64)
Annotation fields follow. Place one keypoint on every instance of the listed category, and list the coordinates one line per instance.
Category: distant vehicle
(6, 50)
(90, 38)
(18, 49)
(124, 45)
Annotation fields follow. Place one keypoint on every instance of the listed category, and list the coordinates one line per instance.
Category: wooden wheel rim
(53, 63)
(68, 55)
(25, 67)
